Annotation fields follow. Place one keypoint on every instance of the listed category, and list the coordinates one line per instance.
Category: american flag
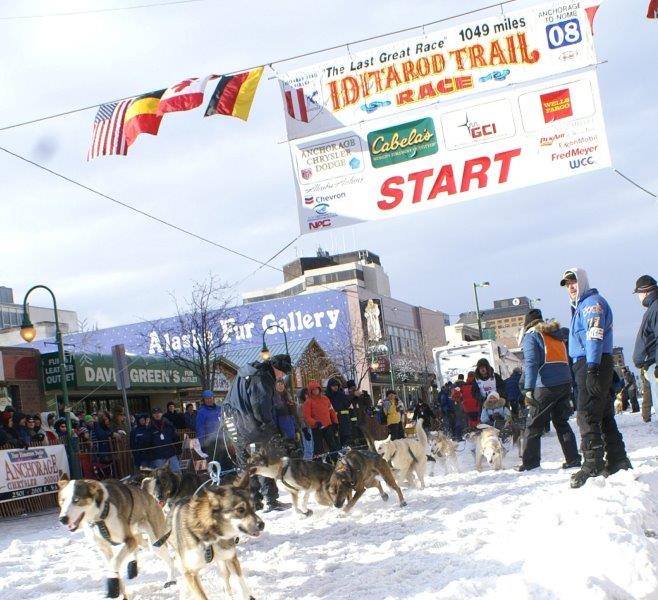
(107, 137)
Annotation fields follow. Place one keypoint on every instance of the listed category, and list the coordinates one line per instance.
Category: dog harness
(208, 553)
(284, 470)
(102, 527)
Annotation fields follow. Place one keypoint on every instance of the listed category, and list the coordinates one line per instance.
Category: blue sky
(231, 181)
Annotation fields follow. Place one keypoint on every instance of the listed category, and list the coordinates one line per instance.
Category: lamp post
(477, 304)
(29, 333)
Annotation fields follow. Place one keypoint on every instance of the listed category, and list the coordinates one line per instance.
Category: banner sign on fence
(482, 56)
(31, 472)
(448, 153)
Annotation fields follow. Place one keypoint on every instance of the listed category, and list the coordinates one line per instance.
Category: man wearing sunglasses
(249, 406)
(590, 347)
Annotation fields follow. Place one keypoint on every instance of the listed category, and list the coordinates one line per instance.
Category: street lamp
(29, 333)
(477, 304)
(265, 353)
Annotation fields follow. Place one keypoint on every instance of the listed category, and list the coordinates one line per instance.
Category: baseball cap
(645, 283)
(568, 276)
(207, 394)
(156, 409)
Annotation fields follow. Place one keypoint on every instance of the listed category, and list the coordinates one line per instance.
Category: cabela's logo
(402, 142)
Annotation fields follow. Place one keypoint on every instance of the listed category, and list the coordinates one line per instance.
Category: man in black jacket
(341, 405)
(645, 354)
(249, 407)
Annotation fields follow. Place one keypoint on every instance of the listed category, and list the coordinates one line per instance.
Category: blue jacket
(162, 435)
(591, 323)
(494, 408)
(512, 388)
(645, 352)
(140, 438)
(545, 360)
(207, 423)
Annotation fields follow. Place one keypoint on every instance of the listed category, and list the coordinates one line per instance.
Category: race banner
(31, 472)
(448, 153)
(482, 56)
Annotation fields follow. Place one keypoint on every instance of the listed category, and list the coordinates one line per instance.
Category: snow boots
(592, 464)
(612, 467)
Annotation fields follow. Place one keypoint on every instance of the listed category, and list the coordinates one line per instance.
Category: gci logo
(581, 162)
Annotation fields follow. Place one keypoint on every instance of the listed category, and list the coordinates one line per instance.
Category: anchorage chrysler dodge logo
(402, 142)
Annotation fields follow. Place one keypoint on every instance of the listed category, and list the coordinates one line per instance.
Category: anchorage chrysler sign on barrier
(426, 140)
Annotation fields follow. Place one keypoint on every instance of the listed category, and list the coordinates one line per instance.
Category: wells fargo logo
(402, 142)
(556, 105)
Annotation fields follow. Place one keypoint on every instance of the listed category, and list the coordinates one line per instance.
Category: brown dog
(357, 471)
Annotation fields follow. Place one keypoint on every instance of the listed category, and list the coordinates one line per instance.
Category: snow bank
(468, 535)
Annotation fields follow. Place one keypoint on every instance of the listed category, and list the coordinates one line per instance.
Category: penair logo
(400, 143)
(549, 139)
(556, 105)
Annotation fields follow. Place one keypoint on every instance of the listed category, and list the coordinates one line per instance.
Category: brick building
(20, 382)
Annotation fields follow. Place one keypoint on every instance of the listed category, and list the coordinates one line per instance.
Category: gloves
(529, 396)
(655, 372)
(592, 381)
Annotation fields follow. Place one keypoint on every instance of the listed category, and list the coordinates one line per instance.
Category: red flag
(652, 11)
(186, 95)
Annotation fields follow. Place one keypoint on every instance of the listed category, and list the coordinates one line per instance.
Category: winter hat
(532, 317)
(88, 419)
(282, 362)
(644, 284)
(568, 276)
(313, 385)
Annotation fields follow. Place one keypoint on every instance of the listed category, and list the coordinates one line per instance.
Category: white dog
(407, 457)
(443, 449)
(488, 447)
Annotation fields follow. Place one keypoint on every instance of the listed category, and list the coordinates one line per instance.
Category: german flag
(142, 117)
(234, 94)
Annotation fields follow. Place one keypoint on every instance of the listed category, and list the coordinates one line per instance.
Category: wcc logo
(556, 105)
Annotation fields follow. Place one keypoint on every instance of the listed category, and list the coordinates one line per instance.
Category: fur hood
(493, 401)
(551, 327)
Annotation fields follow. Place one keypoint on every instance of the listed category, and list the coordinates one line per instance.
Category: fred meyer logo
(401, 143)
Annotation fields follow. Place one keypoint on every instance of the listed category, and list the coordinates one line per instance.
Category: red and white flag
(296, 103)
(185, 95)
(652, 11)
(107, 137)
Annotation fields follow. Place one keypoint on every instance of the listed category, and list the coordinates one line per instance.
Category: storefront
(91, 380)
(19, 380)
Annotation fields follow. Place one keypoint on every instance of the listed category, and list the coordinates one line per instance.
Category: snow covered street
(467, 535)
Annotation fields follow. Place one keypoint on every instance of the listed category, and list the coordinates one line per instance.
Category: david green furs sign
(94, 370)
(32, 472)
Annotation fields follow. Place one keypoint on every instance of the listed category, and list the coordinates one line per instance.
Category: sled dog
(488, 447)
(357, 471)
(167, 487)
(297, 476)
(407, 457)
(442, 449)
(116, 517)
(205, 530)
